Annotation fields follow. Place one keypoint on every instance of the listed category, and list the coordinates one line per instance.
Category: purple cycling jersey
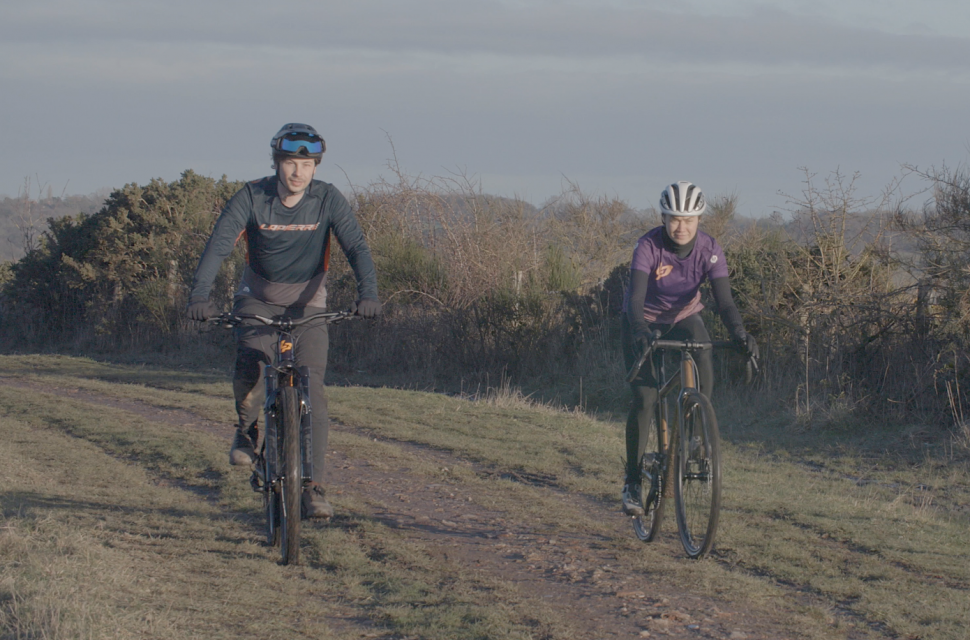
(674, 289)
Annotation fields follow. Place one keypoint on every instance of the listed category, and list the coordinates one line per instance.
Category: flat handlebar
(285, 324)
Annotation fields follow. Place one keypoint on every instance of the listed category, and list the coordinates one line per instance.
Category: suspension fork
(299, 377)
(306, 423)
(271, 441)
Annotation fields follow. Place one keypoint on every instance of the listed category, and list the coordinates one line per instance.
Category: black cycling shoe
(242, 451)
(631, 499)
(315, 503)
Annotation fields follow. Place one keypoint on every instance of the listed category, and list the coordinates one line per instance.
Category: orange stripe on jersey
(243, 236)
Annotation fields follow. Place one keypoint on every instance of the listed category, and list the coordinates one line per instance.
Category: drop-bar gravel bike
(682, 452)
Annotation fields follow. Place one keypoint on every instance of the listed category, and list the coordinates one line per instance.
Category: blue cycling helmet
(296, 140)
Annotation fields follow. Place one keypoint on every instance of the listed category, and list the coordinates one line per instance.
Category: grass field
(117, 526)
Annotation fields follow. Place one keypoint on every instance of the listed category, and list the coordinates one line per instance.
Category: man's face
(681, 229)
(296, 173)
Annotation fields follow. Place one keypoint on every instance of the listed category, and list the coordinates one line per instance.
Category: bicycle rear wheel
(288, 422)
(653, 484)
(697, 475)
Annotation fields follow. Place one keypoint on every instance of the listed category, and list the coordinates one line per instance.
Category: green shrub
(122, 273)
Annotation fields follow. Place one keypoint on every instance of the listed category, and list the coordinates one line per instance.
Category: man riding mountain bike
(663, 299)
(287, 220)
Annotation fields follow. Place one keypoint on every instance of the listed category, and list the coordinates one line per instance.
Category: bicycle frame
(287, 389)
(283, 372)
(685, 377)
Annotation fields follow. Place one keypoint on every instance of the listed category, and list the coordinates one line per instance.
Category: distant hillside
(18, 216)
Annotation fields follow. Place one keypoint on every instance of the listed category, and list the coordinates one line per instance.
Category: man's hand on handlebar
(201, 309)
(367, 308)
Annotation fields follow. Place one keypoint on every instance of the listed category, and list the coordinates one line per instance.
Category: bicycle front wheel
(697, 475)
(288, 425)
(653, 484)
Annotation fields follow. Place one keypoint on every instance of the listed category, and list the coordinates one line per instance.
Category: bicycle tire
(654, 478)
(288, 421)
(697, 475)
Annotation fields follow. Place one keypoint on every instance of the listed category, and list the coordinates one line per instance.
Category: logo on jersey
(664, 270)
(289, 227)
(713, 259)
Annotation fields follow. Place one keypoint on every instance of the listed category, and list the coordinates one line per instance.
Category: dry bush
(586, 238)
(861, 306)
(819, 293)
(480, 288)
(855, 316)
(444, 240)
(936, 260)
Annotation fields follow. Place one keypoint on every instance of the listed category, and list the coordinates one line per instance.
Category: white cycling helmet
(682, 199)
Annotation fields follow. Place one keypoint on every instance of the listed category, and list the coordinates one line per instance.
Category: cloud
(761, 37)
(619, 95)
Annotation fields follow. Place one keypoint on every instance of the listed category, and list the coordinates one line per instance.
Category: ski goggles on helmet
(308, 147)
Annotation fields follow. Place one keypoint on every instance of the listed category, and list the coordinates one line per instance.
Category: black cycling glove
(201, 309)
(367, 308)
(750, 345)
(644, 339)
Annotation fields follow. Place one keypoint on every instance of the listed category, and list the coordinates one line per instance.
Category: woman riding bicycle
(663, 299)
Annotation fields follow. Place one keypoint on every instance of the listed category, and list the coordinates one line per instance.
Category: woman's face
(681, 229)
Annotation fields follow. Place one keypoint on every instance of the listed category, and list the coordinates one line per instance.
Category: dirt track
(579, 576)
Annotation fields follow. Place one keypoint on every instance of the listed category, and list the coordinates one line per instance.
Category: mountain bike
(284, 446)
(687, 456)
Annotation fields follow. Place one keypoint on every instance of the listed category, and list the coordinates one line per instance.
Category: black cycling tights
(644, 388)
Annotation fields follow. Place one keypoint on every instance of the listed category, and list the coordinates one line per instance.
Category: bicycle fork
(268, 439)
(267, 442)
(306, 425)
(696, 467)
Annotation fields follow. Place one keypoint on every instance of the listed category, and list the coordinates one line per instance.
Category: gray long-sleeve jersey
(287, 246)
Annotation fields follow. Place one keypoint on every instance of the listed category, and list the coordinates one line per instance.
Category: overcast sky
(619, 97)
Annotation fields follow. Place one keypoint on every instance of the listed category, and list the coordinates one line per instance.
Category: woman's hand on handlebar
(750, 345)
(645, 339)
